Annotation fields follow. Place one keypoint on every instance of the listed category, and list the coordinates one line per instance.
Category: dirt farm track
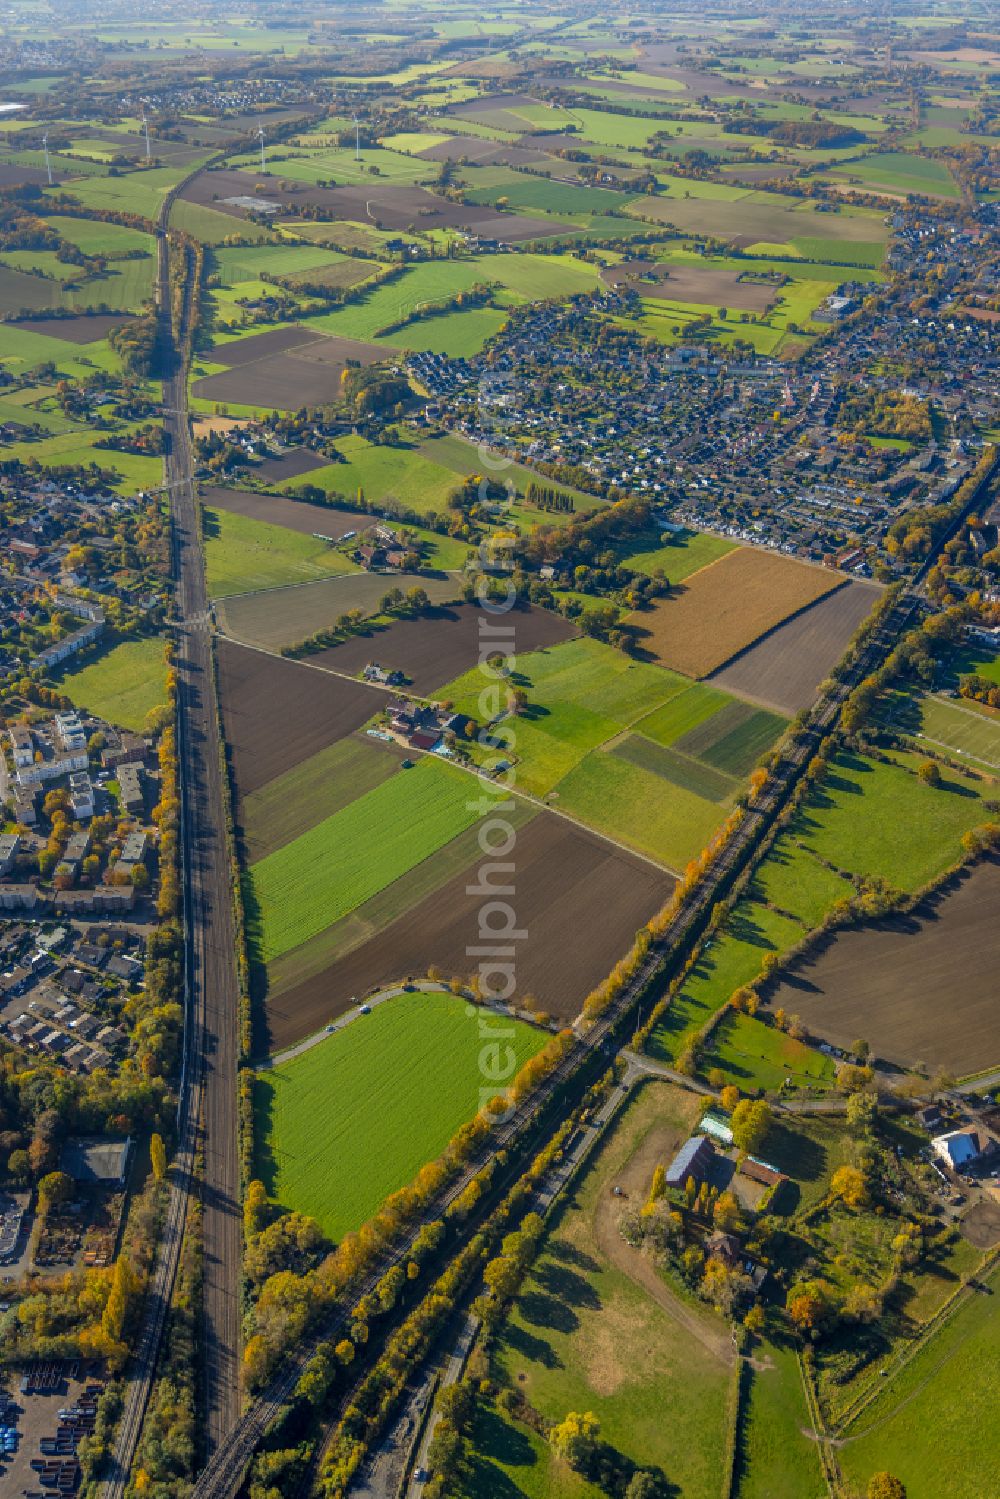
(917, 988)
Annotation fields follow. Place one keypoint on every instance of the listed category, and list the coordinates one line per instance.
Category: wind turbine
(145, 126)
(263, 166)
(357, 139)
(48, 163)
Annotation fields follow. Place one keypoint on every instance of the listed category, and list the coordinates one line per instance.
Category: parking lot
(45, 1411)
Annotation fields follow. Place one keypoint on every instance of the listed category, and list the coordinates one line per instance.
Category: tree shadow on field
(211, 530)
(520, 1341)
(743, 926)
(795, 1153)
(567, 1286)
(955, 788)
(569, 1254)
(497, 1440)
(265, 1165)
(545, 1311)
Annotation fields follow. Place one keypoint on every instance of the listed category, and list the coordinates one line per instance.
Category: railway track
(206, 1113)
(224, 1473)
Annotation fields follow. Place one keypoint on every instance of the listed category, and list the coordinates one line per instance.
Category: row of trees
(289, 1303)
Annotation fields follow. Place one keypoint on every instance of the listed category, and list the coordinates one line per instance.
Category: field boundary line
(941, 1318)
(958, 705)
(828, 1464)
(739, 1392)
(526, 796)
(249, 593)
(759, 639)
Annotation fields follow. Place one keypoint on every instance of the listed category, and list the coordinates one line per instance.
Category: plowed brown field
(725, 607)
(277, 713)
(580, 899)
(917, 988)
(785, 668)
(442, 644)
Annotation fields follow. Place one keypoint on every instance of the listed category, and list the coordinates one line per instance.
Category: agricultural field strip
(297, 891)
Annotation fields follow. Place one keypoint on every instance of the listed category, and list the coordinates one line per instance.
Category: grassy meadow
(390, 1089)
(122, 684)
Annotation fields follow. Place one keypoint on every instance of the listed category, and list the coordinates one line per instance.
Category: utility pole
(263, 165)
(48, 162)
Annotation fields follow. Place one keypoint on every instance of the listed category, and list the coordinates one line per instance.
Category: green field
(405, 474)
(311, 791)
(507, 1461)
(528, 194)
(294, 893)
(536, 277)
(684, 712)
(77, 448)
(667, 822)
(754, 1055)
(896, 171)
(378, 913)
(677, 556)
(776, 1460)
(582, 698)
(96, 238)
(734, 739)
(928, 1423)
(244, 555)
(728, 960)
(460, 335)
(388, 1090)
(462, 457)
(794, 880)
(874, 818)
(248, 262)
(585, 1336)
(122, 685)
(208, 224)
(393, 303)
(967, 730)
(680, 770)
(580, 694)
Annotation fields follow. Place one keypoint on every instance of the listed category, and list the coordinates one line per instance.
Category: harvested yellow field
(725, 607)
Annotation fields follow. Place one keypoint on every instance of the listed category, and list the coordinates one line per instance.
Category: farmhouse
(959, 1147)
(388, 676)
(693, 1160)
